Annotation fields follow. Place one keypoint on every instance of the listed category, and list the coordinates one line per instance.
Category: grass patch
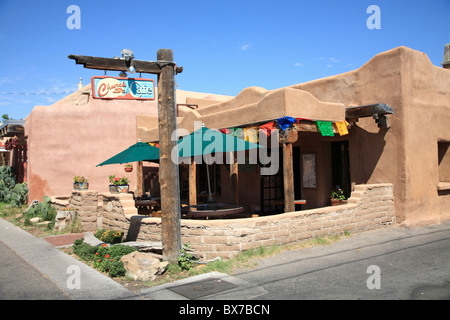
(15, 216)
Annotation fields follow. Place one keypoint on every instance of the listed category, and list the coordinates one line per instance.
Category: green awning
(140, 151)
(207, 141)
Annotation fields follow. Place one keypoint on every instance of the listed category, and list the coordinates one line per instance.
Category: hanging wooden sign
(123, 88)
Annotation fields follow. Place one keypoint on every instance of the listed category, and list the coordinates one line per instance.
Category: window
(444, 165)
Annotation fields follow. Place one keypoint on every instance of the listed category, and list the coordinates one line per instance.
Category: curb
(61, 268)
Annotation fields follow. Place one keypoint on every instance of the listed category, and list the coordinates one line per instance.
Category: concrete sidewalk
(44, 256)
(61, 268)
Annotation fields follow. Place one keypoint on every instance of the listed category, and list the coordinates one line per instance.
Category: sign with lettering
(123, 88)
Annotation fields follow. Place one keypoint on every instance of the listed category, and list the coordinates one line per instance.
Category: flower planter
(336, 202)
(128, 169)
(81, 186)
(119, 189)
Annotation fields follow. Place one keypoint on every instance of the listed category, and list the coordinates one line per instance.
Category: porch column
(288, 178)
(140, 180)
(192, 183)
(287, 139)
(234, 178)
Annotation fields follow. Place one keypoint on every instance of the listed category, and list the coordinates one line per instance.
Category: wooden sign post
(166, 69)
(168, 169)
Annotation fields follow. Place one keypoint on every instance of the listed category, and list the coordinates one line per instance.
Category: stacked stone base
(369, 207)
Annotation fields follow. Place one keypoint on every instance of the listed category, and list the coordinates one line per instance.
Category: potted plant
(118, 184)
(80, 183)
(338, 197)
(128, 167)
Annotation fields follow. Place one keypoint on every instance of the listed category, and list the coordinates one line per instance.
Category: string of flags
(251, 133)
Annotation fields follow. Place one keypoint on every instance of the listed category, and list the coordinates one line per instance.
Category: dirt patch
(132, 285)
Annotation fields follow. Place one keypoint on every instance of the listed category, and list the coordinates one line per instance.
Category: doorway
(340, 162)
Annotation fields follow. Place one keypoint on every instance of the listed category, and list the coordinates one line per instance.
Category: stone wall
(369, 207)
(85, 202)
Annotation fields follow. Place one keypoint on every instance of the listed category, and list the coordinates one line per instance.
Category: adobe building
(72, 136)
(397, 107)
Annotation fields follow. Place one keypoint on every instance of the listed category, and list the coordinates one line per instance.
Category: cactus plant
(10, 191)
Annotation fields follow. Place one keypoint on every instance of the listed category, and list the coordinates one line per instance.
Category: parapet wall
(369, 207)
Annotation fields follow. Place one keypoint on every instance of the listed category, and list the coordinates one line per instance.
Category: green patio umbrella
(206, 141)
(139, 151)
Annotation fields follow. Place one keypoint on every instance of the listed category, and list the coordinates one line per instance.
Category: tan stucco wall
(252, 105)
(65, 140)
(406, 153)
(75, 134)
(427, 93)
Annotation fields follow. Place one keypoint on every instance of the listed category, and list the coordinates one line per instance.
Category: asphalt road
(387, 264)
(392, 263)
(21, 281)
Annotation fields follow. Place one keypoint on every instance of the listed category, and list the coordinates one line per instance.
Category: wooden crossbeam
(368, 111)
(111, 64)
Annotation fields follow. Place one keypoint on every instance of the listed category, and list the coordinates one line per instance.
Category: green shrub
(44, 210)
(104, 258)
(108, 259)
(186, 261)
(85, 251)
(78, 242)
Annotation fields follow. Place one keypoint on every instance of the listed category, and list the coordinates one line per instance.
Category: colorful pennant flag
(325, 128)
(236, 132)
(285, 122)
(251, 134)
(342, 127)
(267, 128)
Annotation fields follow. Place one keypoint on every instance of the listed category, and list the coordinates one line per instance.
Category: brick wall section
(369, 207)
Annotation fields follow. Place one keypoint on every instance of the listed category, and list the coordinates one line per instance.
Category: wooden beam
(168, 168)
(116, 64)
(368, 111)
(288, 178)
(289, 136)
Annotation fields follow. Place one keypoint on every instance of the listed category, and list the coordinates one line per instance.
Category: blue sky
(223, 46)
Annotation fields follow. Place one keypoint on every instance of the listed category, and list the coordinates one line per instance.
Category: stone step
(130, 210)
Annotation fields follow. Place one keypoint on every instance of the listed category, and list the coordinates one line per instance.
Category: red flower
(104, 245)
(107, 256)
(96, 253)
